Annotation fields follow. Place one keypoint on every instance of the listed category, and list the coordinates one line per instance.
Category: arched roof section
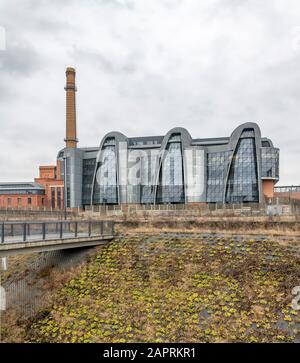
(186, 141)
(233, 143)
(119, 137)
(237, 133)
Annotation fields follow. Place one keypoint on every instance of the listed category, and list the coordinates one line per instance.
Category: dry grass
(18, 266)
(284, 236)
(178, 289)
(44, 284)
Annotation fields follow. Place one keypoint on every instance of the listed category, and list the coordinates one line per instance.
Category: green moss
(172, 289)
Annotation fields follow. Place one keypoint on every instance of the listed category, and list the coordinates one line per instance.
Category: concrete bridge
(35, 236)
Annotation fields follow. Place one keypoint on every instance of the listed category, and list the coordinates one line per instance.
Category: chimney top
(70, 69)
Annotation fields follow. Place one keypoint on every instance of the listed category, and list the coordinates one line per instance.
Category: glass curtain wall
(68, 181)
(243, 177)
(106, 185)
(171, 179)
(217, 169)
(87, 180)
(270, 163)
(148, 162)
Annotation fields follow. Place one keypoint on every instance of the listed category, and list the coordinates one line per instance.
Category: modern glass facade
(174, 168)
(242, 183)
(67, 165)
(217, 169)
(88, 168)
(106, 191)
(147, 171)
(171, 179)
(270, 163)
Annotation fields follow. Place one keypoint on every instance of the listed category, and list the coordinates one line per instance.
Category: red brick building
(47, 191)
(22, 195)
(288, 192)
(49, 178)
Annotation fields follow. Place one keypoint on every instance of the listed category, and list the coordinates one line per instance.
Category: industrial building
(171, 168)
(47, 191)
(288, 192)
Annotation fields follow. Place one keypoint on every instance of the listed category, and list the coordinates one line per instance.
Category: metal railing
(29, 231)
(290, 207)
(287, 189)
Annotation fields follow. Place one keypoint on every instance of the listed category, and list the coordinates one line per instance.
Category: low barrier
(42, 230)
(196, 209)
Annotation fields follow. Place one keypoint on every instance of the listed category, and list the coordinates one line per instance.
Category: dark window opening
(53, 197)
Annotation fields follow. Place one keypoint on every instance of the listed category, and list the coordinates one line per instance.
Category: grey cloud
(19, 60)
(144, 67)
(106, 64)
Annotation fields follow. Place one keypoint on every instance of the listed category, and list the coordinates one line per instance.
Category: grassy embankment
(177, 289)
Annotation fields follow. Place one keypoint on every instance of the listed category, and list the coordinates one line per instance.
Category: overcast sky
(143, 67)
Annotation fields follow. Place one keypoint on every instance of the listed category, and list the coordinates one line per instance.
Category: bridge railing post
(101, 228)
(2, 233)
(76, 229)
(89, 228)
(112, 228)
(61, 229)
(44, 230)
(24, 231)
(12, 230)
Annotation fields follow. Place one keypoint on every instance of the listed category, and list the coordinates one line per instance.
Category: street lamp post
(65, 187)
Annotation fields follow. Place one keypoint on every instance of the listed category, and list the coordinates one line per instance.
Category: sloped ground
(30, 282)
(178, 288)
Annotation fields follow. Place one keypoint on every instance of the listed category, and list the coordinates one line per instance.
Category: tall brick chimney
(71, 139)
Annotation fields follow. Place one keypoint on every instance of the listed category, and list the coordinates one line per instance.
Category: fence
(276, 206)
(22, 213)
(290, 207)
(34, 231)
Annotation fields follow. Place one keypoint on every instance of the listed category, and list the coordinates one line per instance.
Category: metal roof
(20, 185)
(144, 140)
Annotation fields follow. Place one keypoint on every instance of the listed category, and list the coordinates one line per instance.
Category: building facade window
(68, 181)
(29, 201)
(59, 198)
(87, 180)
(53, 197)
(270, 163)
(243, 176)
(148, 161)
(106, 185)
(171, 178)
(217, 169)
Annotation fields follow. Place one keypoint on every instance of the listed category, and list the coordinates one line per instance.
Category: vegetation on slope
(178, 288)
